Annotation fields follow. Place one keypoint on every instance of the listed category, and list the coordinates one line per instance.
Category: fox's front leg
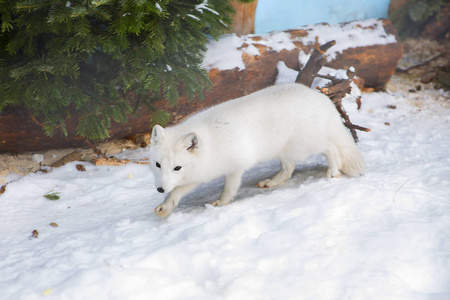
(232, 184)
(165, 208)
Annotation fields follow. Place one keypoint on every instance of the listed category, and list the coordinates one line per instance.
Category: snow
(193, 17)
(37, 157)
(277, 41)
(204, 6)
(223, 54)
(226, 53)
(382, 236)
(285, 74)
(350, 35)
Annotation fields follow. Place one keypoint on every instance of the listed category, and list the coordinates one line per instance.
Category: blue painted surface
(285, 14)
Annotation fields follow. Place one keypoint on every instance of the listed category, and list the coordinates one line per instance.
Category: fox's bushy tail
(352, 161)
(351, 158)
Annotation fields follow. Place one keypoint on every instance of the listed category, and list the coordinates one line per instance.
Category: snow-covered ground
(382, 236)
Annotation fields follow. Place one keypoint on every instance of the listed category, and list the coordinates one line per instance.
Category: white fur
(290, 122)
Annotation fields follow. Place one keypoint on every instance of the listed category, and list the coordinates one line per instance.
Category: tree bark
(244, 19)
(21, 132)
(314, 64)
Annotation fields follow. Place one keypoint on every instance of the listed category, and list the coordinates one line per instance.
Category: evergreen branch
(40, 5)
(89, 56)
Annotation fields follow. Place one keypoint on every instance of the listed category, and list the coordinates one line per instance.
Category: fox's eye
(158, 165)
(177, 168)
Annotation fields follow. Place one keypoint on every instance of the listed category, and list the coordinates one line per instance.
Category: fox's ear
(190, 142)
(157, 135)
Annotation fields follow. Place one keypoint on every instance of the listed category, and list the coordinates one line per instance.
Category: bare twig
(336, 90)
(96, 150)
(73, 156)
(395, 195)
(329, 77)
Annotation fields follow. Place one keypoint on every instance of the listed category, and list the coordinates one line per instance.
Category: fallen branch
(96, 150)
(113, 161)
(314, 64)
(336, 90)
(73, 156)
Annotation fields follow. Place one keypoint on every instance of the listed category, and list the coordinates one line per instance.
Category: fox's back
(260, 126)
(280, 104)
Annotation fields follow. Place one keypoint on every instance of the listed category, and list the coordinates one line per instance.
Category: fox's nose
(160, 189)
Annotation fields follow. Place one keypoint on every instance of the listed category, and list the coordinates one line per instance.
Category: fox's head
(171, 157)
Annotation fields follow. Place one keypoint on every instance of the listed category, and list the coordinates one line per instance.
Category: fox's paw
(219, 202)
(163, 210)
(333, 173)
(267, 183)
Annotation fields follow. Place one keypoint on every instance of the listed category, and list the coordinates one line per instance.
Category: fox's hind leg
(334, 161)
(287, 167)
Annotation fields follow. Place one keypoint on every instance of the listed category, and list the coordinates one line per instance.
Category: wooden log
(244, 19)
(374, 63)
(260, 54)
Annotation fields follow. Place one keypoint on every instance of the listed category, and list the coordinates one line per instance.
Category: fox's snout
(160, 189)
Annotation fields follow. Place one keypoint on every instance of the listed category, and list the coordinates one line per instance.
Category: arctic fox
(289, 122)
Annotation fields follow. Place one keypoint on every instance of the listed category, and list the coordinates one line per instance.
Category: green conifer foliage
(60, 56)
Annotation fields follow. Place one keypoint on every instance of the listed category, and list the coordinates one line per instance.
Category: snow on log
(240, 65)
(237, 66)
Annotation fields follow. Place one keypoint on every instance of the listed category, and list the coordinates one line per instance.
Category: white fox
(289, 122)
